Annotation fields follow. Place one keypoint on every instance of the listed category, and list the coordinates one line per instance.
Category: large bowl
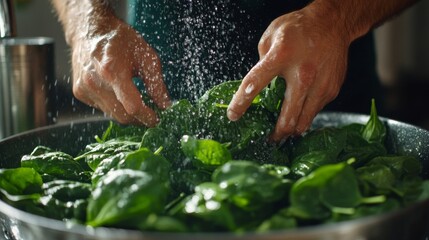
(411, 223)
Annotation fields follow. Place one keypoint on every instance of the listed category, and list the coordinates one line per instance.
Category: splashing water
(200, 43)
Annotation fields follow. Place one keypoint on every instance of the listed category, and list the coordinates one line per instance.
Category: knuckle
(107, 66)
(327, 92)
(78, 89)
(306, 75)
(264, 45)
(322, 94)
(77, 92)
(86, 82)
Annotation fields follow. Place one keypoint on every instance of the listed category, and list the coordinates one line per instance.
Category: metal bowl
(409, 223)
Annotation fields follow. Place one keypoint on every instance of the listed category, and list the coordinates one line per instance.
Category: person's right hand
(310, 53)
(106, 55)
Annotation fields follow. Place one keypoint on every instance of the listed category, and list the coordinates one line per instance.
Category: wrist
(87, 19)
(338, 18)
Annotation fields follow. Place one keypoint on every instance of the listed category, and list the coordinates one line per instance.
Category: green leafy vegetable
(20, 181)
(374, 130)
(205, 152)
(250, 186)
(54, 163)
(207, 204)
(65, 199)
(329, 189)
(197, 172)
(123, 194)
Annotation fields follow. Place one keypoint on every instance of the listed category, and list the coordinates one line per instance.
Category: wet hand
(311, 55)
(104, 60)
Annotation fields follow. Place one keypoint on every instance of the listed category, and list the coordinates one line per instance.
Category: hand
(105, 58)
(311, 55)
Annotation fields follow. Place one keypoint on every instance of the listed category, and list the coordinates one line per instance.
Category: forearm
(357, 17)
(82, 18)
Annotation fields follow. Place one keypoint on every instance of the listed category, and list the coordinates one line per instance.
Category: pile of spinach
(197, 171)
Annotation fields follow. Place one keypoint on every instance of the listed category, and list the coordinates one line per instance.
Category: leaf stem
(374, 199)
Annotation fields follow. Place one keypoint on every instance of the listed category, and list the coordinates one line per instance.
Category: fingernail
(233, 116)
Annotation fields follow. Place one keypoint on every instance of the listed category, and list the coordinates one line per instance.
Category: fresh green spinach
(197, 172)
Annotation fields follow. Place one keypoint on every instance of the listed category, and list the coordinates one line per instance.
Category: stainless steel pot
(411, 223)
(26, 77)
(26, 82)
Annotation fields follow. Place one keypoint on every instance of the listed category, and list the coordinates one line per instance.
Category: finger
(103, 99)
(124, 92)
(310, 109)
(113, 108)
(130, 98)
(289, 114)
(300, 80)
(320, 95)
(253, 83)
(150, 71)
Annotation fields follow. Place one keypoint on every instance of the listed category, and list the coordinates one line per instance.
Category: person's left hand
(104, 62)
(311, 55)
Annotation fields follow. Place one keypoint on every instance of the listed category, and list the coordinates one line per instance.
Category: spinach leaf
(206, 209)
(185, 180)
(57, 164)
(375, 130)
(330, 140)
(329, 189)
(280, 221)
(219, 95)
(65, 200)
(121, 132)
(146, 161)
(361, 211)
(20, 181)
(397, 174)
(307, 162)
(272, 96)
(424, 194)
(66, 190)
(106, 165)
(252, 126)
(95, 153)
(123, 194)
(162, 224)
(276, 170)
(409, 190)
(360, 149)
(378, 176)
(180, 119)
(400, 165)
(205, 153)
(250, 186)
(156, 138)
(317, 148)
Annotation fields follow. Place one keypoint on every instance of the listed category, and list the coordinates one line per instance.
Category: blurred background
(402, 59)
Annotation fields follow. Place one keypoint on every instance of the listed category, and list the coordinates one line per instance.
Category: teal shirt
(203, 43)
